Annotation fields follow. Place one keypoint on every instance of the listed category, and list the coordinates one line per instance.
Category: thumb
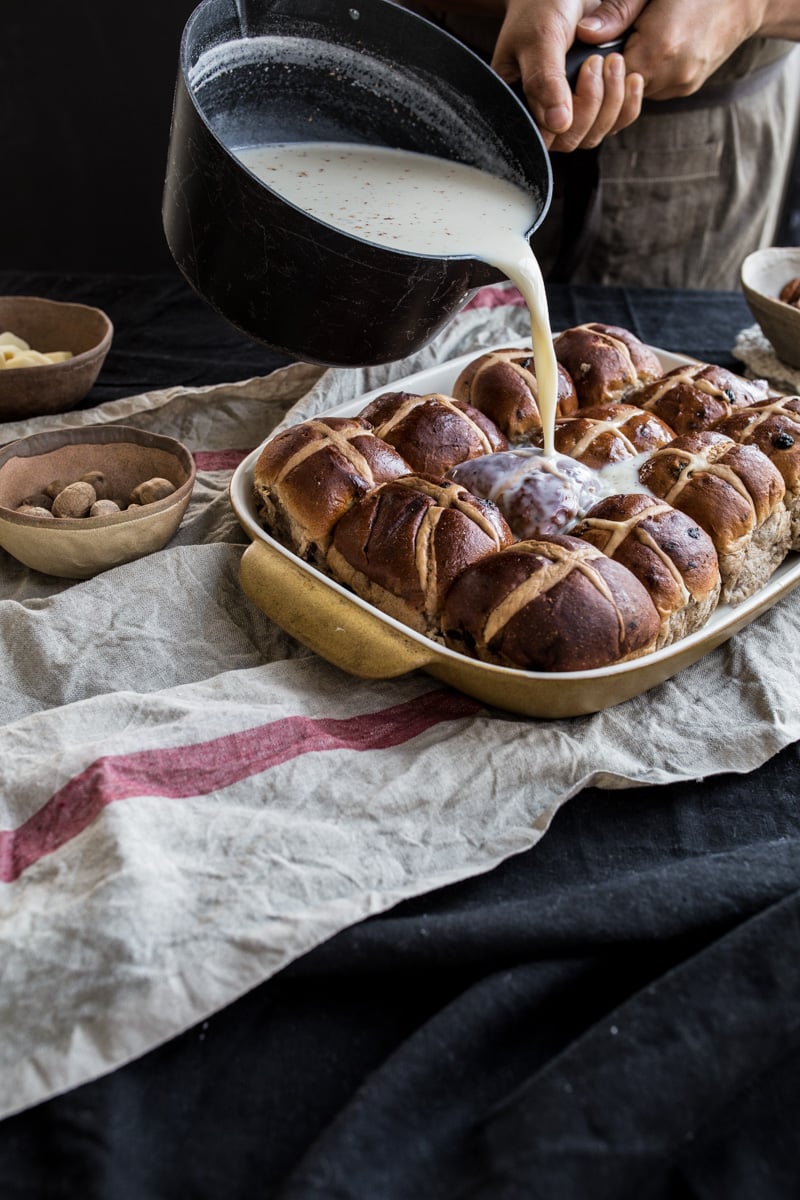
(609, 20)
(537, 62)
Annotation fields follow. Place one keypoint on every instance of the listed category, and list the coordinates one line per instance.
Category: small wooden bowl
(764, 273)
(48, 325)
(77, 548)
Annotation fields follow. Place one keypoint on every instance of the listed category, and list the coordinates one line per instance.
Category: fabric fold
(190, 801)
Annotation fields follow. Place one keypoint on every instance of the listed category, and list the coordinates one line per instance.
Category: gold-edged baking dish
(355, 636)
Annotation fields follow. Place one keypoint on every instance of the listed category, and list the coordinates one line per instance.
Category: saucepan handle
(580, 51)
(576, 57)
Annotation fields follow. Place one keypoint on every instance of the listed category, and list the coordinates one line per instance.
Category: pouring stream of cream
(418, 204)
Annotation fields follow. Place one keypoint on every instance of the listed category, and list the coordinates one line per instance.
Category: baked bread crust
(735, 494)
(550, 604)
(420, 506)
(691, 398)
(666, 550)
(401, 546)
(774, 426)
(605, 362)
(432, 432)
(309, 475)
(610, 433)
(503, 385)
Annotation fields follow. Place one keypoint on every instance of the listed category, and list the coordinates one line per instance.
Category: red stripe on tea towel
(495, 296)
(219, 460)
(181, 771)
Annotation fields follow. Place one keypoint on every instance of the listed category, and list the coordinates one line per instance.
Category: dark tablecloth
(614, 1013)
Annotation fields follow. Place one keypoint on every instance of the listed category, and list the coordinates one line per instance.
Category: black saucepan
(328, 70)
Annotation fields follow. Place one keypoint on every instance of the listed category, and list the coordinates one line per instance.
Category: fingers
(677, 45)
(606, 100)
(632, 104)
(609, 20)
(532, 47)
(590, 103)
(679, 70)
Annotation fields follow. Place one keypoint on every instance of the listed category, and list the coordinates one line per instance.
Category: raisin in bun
(691, 398)
(666, 550)
(773, 426)
(432, 432)
(735, 494)
(537, 493)
(605, 362)
(503, 385)
(610, 433)
(402, 546)
(550, 604)
(307, 476)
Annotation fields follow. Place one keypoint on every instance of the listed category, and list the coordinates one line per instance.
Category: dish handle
(331, 625)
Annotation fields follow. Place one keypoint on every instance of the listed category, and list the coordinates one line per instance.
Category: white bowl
(764, 273)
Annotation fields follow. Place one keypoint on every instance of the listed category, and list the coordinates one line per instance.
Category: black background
(85, 105)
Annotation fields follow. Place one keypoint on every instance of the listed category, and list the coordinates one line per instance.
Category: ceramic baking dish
(358, 638)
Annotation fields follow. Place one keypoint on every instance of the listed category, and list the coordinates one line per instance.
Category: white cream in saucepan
(421, 205)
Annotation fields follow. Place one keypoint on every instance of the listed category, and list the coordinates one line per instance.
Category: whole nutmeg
(37, 500)
(56, 486)
(790, 292)
(99, 482)
(34, 510)
(74, 501)
(151, 490)
(104, 508)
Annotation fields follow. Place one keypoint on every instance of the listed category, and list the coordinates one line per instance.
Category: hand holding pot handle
(677, 44)
(580, 51)
(538, 45)
(671, 47)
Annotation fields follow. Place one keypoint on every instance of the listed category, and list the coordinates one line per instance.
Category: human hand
(676, 44)
(532, 48)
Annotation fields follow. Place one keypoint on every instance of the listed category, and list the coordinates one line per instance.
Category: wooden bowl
(764, 273)
(48, 325)
(79, 547)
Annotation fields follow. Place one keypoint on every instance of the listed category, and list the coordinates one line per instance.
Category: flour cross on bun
(609, 433)
(503, 385)
(666, 550)
(694, 397)
(550, 604)
(432, 432)
(605, 362)
(308, 475)
(401, 546)
(735, 494)
(774, 426)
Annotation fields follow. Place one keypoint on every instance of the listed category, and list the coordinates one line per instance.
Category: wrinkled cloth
(191, 801)
(755, 350)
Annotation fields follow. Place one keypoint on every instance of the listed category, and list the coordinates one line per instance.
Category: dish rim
(725, 617)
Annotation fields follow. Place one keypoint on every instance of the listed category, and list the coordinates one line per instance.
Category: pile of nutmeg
(91, 496)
